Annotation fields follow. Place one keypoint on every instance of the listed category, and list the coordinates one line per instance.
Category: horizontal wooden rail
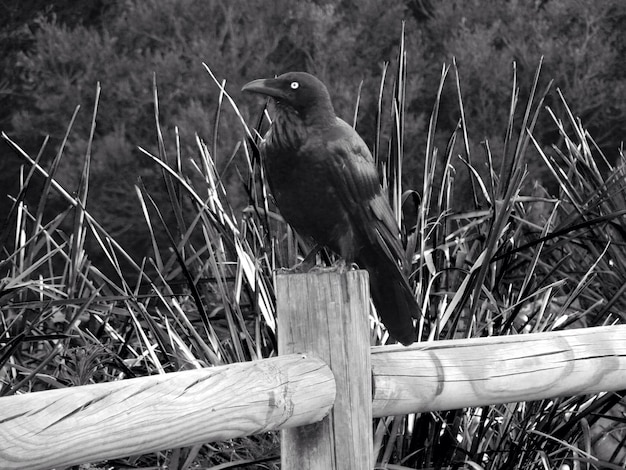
(115, 419)
(445, 375)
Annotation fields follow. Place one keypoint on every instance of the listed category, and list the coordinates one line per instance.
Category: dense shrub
(343, 42)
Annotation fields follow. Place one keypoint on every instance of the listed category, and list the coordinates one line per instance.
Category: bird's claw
(340, 266)
(302, 267)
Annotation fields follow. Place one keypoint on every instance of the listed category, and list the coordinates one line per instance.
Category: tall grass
(521, 261)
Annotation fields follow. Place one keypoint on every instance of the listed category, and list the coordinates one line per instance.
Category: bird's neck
(320, 116)
(290, 128)
(287, 132)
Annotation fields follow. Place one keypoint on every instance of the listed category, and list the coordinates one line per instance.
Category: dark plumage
(326, 186)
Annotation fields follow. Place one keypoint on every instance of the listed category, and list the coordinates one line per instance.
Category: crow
(326, 186)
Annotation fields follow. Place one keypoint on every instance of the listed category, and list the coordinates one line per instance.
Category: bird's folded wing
(355, 180)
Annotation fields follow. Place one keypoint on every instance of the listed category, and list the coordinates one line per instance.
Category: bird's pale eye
(294, 85)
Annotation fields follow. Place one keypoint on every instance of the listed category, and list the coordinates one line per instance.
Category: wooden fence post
(325, 313)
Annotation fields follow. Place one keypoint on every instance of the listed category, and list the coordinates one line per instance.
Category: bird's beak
(265, 86)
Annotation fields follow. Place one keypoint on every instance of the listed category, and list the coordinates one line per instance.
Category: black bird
(325, 183)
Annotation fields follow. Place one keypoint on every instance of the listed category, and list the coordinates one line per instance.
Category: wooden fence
(322, 391)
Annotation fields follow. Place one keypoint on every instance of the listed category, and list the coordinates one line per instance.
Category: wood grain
(326, 314)
(445, 375)
(80, 424)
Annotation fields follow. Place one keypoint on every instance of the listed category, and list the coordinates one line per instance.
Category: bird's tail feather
(392, 296)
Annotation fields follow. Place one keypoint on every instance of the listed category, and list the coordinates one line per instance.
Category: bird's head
(297, 91)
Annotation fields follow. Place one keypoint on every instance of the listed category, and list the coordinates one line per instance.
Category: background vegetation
(44, 75)
(120, 261)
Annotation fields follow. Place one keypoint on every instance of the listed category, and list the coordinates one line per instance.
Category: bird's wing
(355, 180)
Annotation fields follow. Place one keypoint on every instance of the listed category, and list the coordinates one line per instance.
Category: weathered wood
(452, 374)
(326, 314)
(62, 427)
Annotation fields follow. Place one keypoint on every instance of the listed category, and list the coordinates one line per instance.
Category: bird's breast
(301, 186)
